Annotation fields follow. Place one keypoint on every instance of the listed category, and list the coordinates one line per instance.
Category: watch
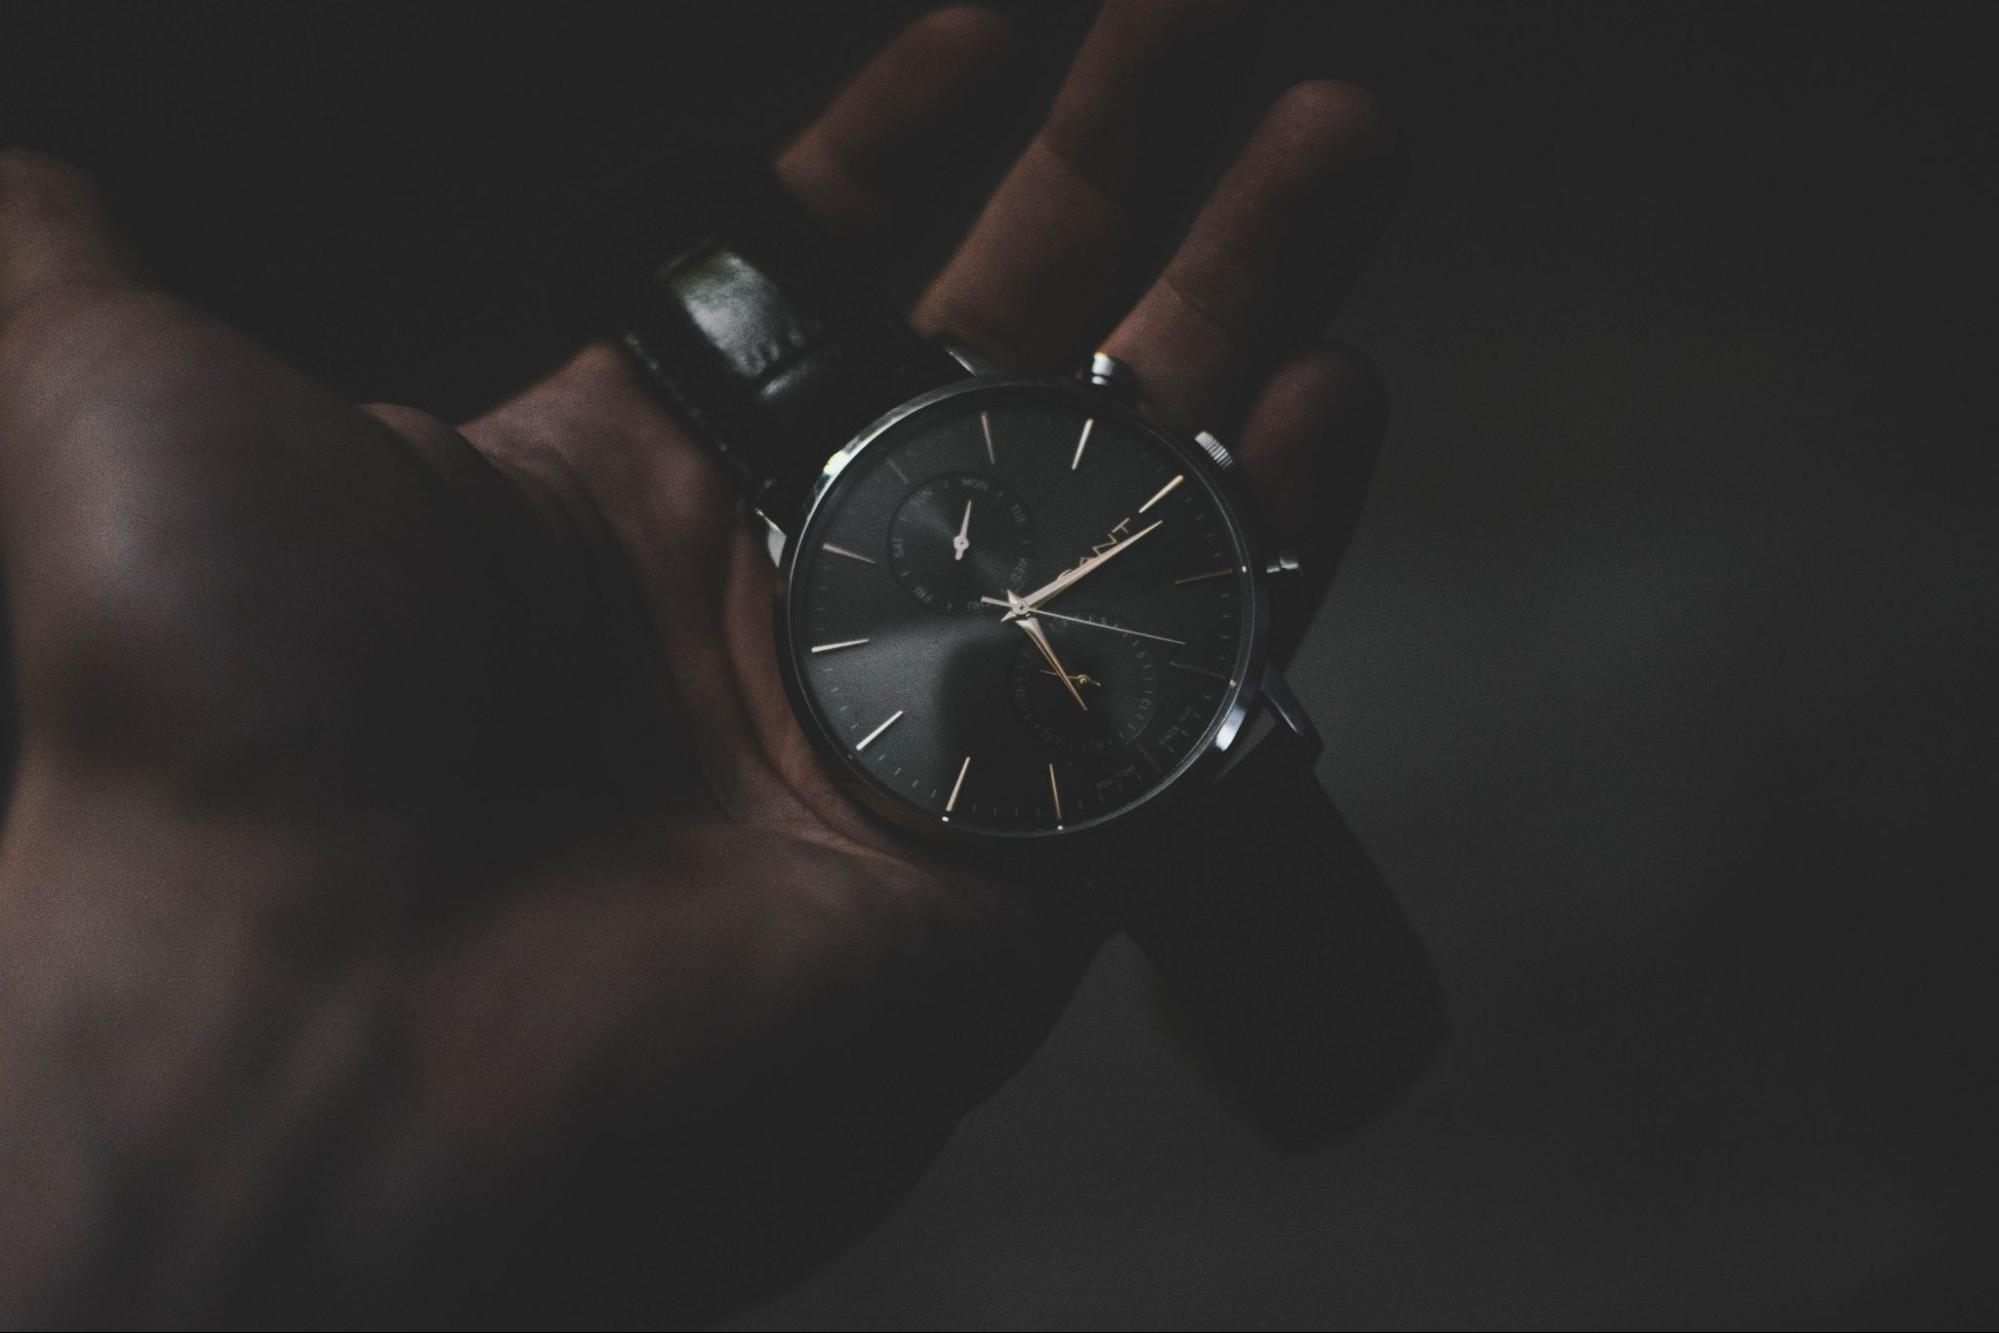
(1024, 619)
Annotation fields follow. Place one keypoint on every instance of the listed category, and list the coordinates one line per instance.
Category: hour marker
(952, 804)
(1082, 441)
(1211, 574)
(1164, 491)
(1056, 792)
(844, 643)
(831, 549)
(986, 425)
(1184, 666)
(886, 724)
(896, 468)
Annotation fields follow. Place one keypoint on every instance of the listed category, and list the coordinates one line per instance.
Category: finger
(1309, 446)
(1073, 231)
(52, 232)
(883, 165)
(1268, 258)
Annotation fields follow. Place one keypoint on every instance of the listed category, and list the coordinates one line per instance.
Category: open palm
(417, 893)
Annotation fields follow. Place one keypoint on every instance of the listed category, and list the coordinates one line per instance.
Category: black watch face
(1019, 610)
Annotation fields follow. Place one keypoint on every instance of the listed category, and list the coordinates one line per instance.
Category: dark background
(1650, 680)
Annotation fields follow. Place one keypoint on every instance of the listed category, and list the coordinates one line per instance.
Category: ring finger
(1266, 261)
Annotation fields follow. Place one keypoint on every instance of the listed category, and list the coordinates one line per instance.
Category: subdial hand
(963, 541)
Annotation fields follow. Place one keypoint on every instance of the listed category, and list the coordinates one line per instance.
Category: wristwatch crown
(1216, 451)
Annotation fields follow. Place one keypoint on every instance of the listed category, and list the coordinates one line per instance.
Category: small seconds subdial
(960, 537)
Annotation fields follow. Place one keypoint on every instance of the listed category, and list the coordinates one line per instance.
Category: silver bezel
(1223, 736)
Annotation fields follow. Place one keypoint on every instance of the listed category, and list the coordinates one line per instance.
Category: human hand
(417, 898)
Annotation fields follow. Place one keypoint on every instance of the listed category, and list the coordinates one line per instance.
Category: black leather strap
(1289, 972)
(751, 329)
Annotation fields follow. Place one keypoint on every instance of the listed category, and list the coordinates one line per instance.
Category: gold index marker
(1082, 442)
(1163, 492)
(956, 787)
(886, 724)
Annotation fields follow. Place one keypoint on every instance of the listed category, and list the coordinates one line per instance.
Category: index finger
(50, 233)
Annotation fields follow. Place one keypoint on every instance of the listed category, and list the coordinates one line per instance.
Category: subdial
(960, 537)
(1117, 677)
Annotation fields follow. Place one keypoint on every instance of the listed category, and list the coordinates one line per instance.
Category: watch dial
(1019, 610)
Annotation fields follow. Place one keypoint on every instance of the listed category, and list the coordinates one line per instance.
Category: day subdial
(1115, 679)
(960, 537)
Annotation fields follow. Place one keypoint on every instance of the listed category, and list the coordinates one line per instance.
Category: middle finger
(1075, 228)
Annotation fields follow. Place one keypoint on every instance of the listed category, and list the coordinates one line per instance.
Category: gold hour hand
(1033, 630)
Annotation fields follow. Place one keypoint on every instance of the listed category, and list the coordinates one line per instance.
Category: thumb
(193, 535)
(53, 232)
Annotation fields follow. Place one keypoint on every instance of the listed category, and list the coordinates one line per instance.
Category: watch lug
(973, 362)
(779, 504)
(1286, 709)
(1278, 719)
(776, 539)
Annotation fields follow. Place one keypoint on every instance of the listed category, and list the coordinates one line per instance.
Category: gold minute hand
(1073, 575)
